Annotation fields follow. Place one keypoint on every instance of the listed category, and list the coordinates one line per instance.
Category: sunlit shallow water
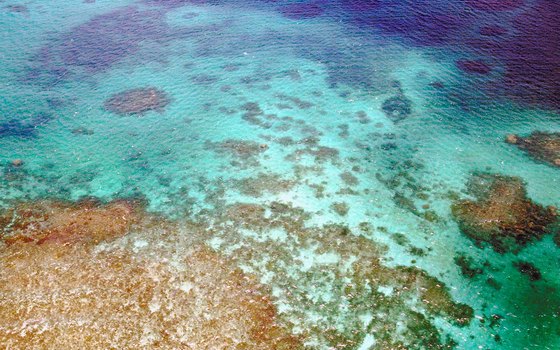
(354, 126)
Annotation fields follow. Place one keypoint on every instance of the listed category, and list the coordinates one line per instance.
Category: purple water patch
(421, 21)
(98, 44)
(474, 66)
(493, 30)
(361, 6)
(532, 56)
(301, 11)
(174, 3)
(495, 5)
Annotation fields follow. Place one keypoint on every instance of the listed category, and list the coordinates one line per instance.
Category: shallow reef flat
(84, 292)
(139, 280)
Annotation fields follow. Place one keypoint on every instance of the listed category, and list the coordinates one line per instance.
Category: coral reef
(263, 183)
(102, 275)
(467, 266)
(340, 208)
(542, 146)
(23, 128)
(501, 213)
(137, 101)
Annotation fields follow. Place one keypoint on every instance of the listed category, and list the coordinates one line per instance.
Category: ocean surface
(317, 146)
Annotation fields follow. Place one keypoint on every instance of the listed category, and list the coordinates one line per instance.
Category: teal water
(315, 86)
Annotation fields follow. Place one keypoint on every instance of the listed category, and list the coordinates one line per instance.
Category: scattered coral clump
(134, 292)
(137, 101)
(501, 214)
(542, 146)
(346, 284)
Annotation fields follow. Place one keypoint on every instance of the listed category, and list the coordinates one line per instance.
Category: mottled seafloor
(280, 174)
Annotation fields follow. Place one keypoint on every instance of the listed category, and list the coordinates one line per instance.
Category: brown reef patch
(87, 221)
(542, 146)
(245, 151)
(137, 101)
(263, 183)
(501, 213)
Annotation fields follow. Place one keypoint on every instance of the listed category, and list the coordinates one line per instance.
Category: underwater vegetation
(501, 213)
(542, 146)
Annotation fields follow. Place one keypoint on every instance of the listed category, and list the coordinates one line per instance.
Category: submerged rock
(137, 101)
(542, 146)
(17, 162)
(501, 214)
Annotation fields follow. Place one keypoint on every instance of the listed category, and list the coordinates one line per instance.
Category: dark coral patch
(501, 214)
(301, 11)
(473, 66)
(397, 107)
(17, 8)
(24, 129)
(542, 146)
(137, 101)
(528, 269)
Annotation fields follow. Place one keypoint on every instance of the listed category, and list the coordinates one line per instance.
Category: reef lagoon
(235, 174)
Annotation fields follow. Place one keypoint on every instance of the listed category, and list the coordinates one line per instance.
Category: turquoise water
(315, 86)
